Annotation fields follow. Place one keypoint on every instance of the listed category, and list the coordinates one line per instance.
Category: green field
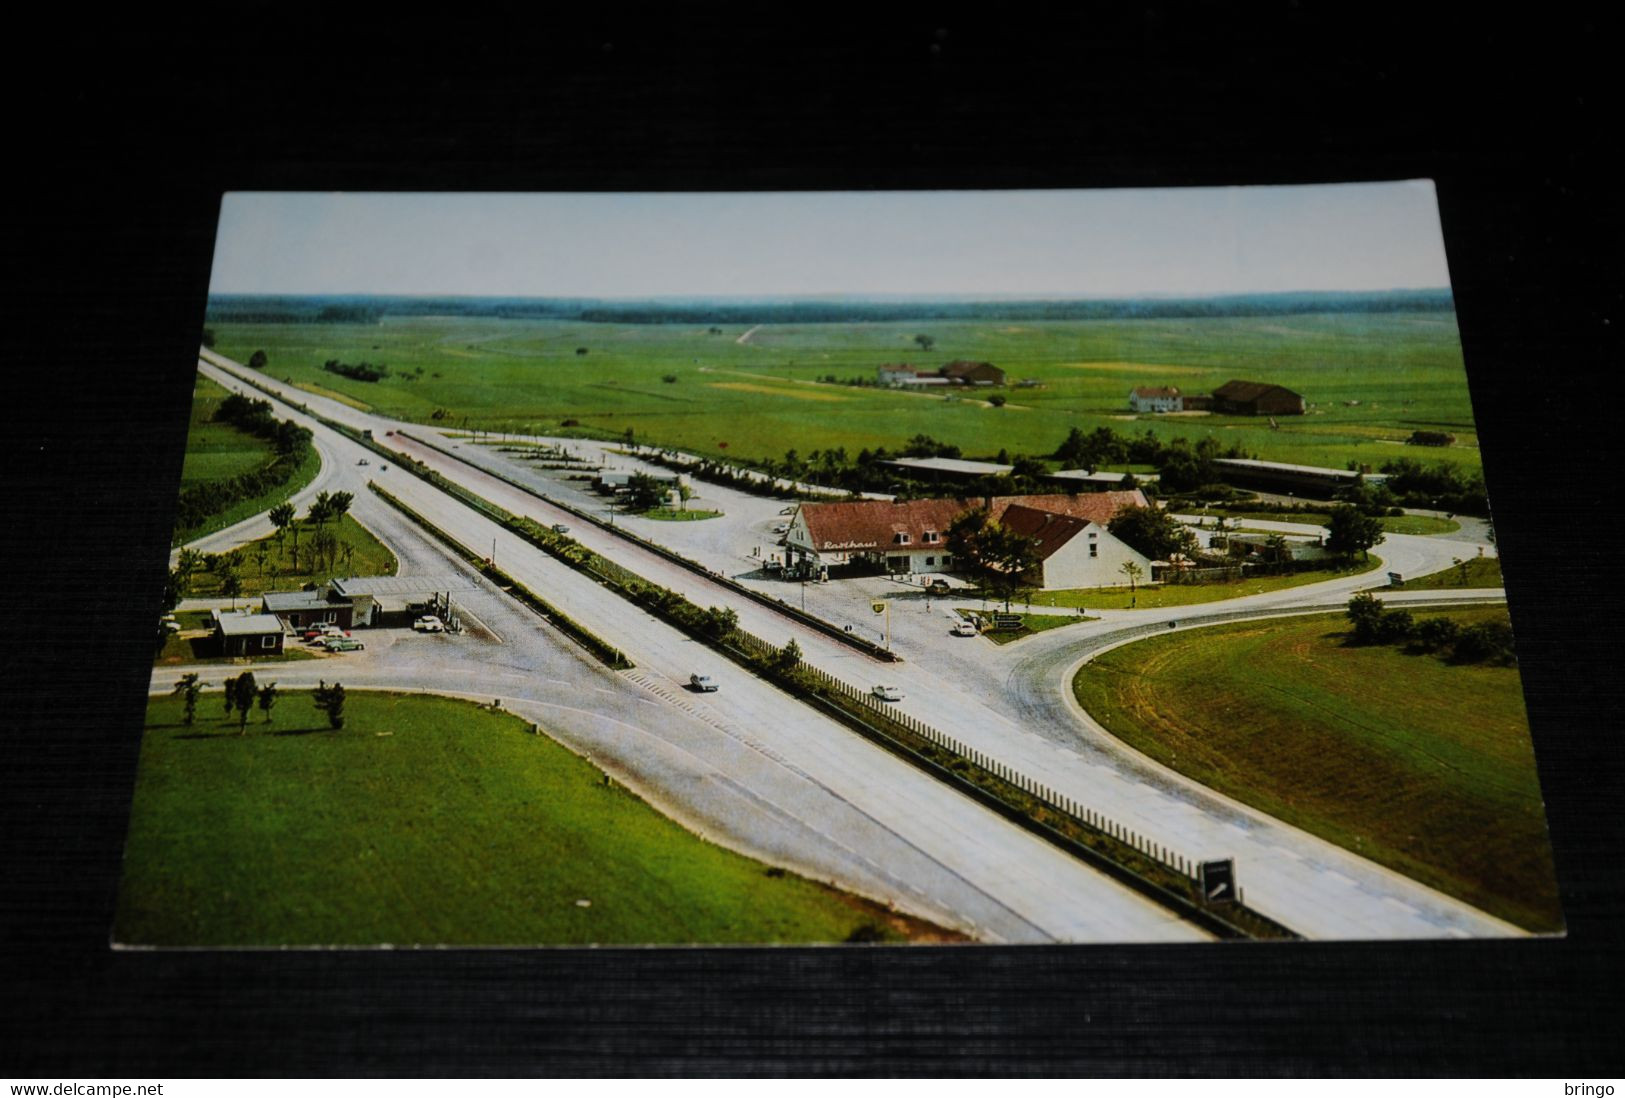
(761, 398)
(1479, 572)
(1412, 762)
(215, 451)
(370, 557)
(427, 820)
(1188, 594)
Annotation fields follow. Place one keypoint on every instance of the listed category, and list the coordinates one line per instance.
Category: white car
(560, 528)
(705, 684)
(963, 629)
(429, 624)
(888, 693)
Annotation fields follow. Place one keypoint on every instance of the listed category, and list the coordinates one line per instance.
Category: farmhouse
(247, 634)
(1256, 398)
(1164, 399)
(1072, 552)
(912, 536)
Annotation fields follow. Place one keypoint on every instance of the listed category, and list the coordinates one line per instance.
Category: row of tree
(200, 502)
(360, 371)
(242, 694)
(1375, 624)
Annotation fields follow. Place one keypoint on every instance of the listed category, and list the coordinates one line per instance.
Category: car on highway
(429, 624)
(342, 644)
(705, 684)
(560, 528)
(963, 629)
(363, 461)
(888, 693)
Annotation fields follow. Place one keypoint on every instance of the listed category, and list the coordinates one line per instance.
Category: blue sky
(1360, 236)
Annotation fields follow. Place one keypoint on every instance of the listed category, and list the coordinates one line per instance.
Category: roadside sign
(1218, 880)
(1007, 621)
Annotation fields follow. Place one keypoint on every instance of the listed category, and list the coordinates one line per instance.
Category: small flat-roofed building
(302, 608)
(386, 601)
(247, 634)
(1083, 479)
(940, 470)
(1278, 476)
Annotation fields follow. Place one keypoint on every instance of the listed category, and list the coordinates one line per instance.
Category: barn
(1257, 398)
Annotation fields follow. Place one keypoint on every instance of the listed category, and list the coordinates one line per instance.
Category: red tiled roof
(1049, 530)
(875, 524)
(1090, 506)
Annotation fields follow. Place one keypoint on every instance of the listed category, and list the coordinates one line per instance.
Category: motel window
(1094, 549)
(902, 539)
(930, 562)
(268, 641)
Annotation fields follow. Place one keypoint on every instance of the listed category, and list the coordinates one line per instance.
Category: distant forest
(242, 309)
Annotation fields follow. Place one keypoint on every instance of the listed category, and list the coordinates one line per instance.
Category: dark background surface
(122, 145)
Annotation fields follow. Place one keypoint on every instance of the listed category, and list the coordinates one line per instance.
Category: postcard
(1020, 567)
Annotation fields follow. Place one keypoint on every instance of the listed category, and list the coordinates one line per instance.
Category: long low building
(911, 536)
(1278, 476)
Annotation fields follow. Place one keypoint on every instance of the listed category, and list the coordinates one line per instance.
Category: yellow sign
(879, 607)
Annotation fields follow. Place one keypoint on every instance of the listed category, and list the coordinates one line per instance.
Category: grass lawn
(215, 451)
(1391, 524)
(428, 820)
(1189, 594)
(666, 514)
(179, 650)
(1419, 765)
(763, 397)
(281, 572)
(1473, 572)
(1030, 624)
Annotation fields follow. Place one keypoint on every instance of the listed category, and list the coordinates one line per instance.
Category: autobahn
(1010, 704)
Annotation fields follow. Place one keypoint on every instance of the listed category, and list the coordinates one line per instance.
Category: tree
(1134, 573)
(242, 692)
(926, 342)
(995, 557)
(1349, 531)
(323, 545)
(721, 621)
(789, 657)
(330, 700)
(1277, 552)
(231, 585)
(338, 504)
(261, 552)
(267, 700)
(644, 492)
(1152, 533)
(257, 360)
(321, 508)
(188, 689)
(997, 400)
